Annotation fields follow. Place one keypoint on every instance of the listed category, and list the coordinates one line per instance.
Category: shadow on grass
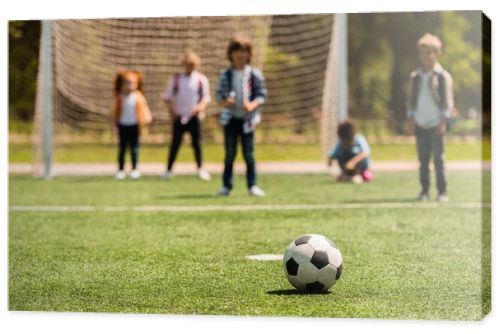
(289, 292)
(381, 200)
(187, 196)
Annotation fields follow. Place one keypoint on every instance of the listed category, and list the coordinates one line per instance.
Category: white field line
(265, 257)
(256, 207)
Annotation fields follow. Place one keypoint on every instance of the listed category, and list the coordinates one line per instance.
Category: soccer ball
(312, 263)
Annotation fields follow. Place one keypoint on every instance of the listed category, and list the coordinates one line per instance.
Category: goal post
(335, 95)
(303, 57)
(343, 69)
(42, 141)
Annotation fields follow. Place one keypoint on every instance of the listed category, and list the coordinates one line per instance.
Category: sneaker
(443, 197)
(423, 197)
(204, 175)
(120, 175)
(167, 175)
(135, 174)
(367, 175)
(224, 192)
(256, 191)
(357, 179)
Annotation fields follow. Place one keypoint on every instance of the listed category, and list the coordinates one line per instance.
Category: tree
(24, 40)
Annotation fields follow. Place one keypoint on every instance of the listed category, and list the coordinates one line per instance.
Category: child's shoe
(120, 175)
(224, 192)
(367, 175)
(443, 197)
(167, 175)
(423, 197)
(256, 191)
(204, 175)
(135, 174)
(357, 179)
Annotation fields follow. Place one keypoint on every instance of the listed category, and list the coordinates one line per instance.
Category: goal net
(297, 54)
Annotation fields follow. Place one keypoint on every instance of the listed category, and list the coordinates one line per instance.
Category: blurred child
(186, 97)
(353, 155)
(241, 91)
(130, 115)
(429, 105)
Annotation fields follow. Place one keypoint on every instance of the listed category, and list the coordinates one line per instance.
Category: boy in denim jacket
(241, 91)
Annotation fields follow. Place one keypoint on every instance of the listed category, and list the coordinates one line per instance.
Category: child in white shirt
(186, 97)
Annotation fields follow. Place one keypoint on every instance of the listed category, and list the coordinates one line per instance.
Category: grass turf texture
(79, 152)
(398, 263)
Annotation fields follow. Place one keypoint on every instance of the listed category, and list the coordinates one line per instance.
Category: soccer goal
(303, 57)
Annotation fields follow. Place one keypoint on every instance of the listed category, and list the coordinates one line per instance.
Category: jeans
(232, 131)
(358, 169)
(194, 129)
(429, 143)
(129, 136)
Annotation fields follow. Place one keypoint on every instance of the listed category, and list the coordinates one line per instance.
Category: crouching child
(353, 155)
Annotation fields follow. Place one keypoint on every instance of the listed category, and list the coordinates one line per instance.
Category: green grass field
(421, 261)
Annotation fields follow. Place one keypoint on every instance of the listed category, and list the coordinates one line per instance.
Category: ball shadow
(289, 292)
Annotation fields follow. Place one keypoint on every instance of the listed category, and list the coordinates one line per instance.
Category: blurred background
(292, 50)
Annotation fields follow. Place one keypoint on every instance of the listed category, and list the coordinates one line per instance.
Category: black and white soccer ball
(313, 263)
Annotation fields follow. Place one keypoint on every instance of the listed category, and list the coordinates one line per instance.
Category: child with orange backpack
(130, 115)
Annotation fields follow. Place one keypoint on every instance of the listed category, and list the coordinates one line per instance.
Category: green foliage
(369, 66)
(461, 53)
(273, 57)
(24, 42)
(382, 54)
(19, 126)
(462, 56)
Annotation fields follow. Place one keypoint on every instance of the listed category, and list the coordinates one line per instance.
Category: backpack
(251, 82)
(440, 97)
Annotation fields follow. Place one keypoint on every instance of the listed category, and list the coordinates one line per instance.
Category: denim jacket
(257, 91)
